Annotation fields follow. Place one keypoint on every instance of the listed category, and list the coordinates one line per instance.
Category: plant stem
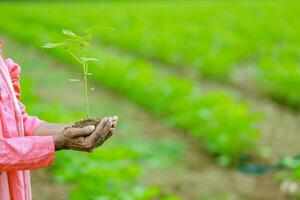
(84, 64)
(85, 84)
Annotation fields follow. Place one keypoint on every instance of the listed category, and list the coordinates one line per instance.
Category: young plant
(71, 45)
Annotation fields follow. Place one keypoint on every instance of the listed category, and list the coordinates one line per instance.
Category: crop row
(225, 126)
(214, 41)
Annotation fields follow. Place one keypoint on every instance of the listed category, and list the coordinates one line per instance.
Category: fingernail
(91, 128)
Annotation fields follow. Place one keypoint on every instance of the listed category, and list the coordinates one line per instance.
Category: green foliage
(225, 126)
(215, 43)
(83, 42)
(108, 173)
(281, 82)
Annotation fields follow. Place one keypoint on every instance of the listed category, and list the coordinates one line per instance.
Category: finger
(115, 118)
(110, 119)
(106, 130)
(114, 121)
(103, 135)
(97, 133)
(99, 142)
(113, 125)
(110, 134)
(79, 132)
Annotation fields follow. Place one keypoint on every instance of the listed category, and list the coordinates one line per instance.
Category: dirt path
(195, 174)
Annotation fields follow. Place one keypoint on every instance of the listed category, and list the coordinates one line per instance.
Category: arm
(25, 153)
(32, 152)
(63, 138)
(33, 125)
(46, 128)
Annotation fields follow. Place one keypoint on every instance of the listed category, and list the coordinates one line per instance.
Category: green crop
(260, 38)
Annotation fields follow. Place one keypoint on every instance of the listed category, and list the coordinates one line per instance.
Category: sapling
(77, 46)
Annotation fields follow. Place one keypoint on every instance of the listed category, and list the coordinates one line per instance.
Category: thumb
(80, 132)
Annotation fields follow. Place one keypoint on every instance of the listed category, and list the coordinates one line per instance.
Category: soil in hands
(87, 122)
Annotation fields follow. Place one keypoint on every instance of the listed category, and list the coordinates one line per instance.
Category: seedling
(75, 43)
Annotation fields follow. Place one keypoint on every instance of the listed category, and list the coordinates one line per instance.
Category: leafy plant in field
(223, 124)
(83, 43)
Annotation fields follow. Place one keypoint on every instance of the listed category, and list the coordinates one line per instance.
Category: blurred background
(207, 94)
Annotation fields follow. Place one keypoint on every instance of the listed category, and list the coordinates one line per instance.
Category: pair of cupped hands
(87, 138)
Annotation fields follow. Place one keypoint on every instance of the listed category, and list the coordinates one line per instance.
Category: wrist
(58, 142)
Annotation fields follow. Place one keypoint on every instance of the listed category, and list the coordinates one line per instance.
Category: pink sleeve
(26, 153)
(30, 122)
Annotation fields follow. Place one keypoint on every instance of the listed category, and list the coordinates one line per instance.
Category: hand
(87, 138)
(99, 136)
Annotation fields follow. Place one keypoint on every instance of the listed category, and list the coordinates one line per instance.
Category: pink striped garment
(20, 151)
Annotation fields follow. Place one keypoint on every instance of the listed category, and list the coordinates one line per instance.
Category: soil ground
(196, 173)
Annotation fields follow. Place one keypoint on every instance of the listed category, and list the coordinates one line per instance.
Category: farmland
(164, 60)
(195, 40)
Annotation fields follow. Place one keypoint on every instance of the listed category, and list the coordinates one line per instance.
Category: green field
(209, 116)
(163, 56)
(261, 38)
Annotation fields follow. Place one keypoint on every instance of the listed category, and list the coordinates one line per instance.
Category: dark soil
(86, 122)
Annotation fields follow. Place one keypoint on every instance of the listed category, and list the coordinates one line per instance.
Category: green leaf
(69, 33)
(74, 80)
(54, 45)
(89, 59)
